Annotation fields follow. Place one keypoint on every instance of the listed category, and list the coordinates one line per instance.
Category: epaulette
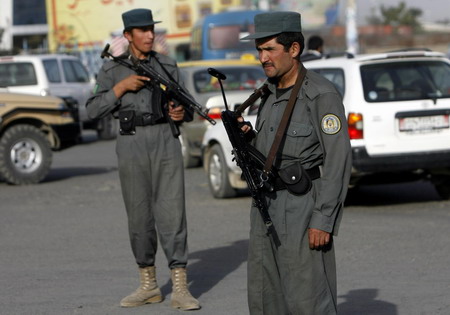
(311, 90)
(110, 65)
(163, 59)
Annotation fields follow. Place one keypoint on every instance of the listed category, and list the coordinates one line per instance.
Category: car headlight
(45, 92)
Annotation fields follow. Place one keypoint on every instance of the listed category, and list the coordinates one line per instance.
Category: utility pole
(351, 28)
(263, 5)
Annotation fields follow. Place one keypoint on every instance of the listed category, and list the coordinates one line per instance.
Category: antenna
(220, 76)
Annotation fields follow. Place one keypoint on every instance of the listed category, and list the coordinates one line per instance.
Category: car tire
(108, 128)
(25, 155)
(443, 188)
(217, 172)
(188, 160)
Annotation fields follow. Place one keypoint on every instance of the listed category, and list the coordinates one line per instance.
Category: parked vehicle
(31, 127)
(398, 107)
(58, 75)
(243, 76)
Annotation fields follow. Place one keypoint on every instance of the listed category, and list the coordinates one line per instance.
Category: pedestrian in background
(314, 49)
(150, 160)
(297, 273)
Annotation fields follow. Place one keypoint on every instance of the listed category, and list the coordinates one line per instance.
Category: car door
(77, 83)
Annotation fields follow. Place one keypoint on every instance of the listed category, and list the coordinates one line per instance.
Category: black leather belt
(148, 120)
(313, 173)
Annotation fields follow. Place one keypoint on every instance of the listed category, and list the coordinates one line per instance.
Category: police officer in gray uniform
(297, 276)
(150, 161)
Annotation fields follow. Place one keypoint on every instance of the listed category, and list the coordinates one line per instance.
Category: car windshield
(17, 74)
(408, 80)
(238, 78)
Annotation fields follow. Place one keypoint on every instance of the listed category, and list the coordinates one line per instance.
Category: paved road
(64, 245)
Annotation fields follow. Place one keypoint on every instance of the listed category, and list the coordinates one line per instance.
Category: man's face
(275, 60)
(141, 40)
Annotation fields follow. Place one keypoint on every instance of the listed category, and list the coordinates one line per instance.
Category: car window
(238, 78)
(399, 81)
(74, 71)
(228, 37)
(17, 74)
(52, 70)
(336, 76)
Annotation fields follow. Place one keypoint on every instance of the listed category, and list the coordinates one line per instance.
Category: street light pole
(351, 28)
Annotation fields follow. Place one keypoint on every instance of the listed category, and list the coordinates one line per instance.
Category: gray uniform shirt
(316, 136)
(104, 101)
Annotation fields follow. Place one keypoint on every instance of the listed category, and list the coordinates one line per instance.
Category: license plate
(424, 123)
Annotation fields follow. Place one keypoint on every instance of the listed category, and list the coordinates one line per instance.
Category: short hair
(129, 29)
(315, 42)
(288, 38)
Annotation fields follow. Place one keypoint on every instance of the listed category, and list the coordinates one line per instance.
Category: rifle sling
(284, 120)
(252, 99)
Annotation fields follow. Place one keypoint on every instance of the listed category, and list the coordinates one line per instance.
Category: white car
(398, 107)
(243, 76)
(57, 75)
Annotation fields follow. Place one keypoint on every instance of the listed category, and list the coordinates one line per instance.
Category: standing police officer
(297, 275)
(150, 162)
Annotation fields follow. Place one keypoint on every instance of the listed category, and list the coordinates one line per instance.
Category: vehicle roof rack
(339, 54)
(408, 49)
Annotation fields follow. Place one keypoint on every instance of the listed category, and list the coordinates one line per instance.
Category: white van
(58, 75)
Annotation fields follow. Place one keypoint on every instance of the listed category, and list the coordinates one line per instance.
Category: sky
(432, 10)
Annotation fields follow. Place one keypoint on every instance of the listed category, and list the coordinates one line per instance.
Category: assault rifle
(171, 88)
(250, 160)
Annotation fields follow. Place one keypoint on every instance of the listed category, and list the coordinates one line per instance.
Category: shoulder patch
(95, 88)
(330, 124)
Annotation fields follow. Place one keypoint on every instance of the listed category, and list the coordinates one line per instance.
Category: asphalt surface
(64, 245)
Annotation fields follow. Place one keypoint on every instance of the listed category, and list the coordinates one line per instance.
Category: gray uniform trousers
(152, 179)
(291, 279)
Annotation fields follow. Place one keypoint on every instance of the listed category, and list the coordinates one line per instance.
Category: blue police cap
(138, 18)
(274, 23)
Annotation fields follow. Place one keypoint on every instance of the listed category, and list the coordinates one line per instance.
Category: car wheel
(218, 181)
(443, 188)
(25, 155)
(188, 160)
(108, 128)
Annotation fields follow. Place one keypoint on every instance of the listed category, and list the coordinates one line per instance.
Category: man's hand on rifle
(132, 83)
(176, 113)
(246, 128)
(245, 125)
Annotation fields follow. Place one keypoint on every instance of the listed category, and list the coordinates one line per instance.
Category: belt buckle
(147, 119)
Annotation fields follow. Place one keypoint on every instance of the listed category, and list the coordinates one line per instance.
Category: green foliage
(398, 15)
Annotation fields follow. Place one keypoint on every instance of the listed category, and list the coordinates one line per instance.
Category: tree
(398, 15)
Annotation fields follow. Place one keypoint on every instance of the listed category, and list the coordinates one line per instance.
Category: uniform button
(294, 132)
(271, 128)
(293, 178)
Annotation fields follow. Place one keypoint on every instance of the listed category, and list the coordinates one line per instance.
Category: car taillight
(355, 126)
(215, 112)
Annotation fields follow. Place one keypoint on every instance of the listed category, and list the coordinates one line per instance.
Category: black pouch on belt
(296, 179)
(127, 122)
